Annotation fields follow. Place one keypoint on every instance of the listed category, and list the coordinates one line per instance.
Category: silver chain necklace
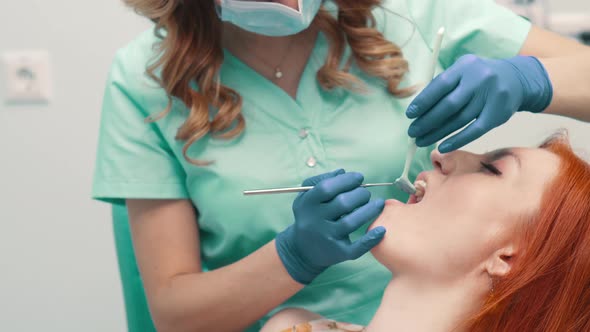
(278, 72)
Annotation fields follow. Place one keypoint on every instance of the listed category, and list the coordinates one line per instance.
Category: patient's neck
(409, 305)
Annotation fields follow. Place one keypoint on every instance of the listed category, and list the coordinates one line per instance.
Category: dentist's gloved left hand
(325, 216)
(487, 91)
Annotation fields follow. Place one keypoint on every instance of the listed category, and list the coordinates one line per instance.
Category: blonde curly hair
(193, 31)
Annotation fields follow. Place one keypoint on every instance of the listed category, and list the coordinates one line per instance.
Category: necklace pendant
(278, 73)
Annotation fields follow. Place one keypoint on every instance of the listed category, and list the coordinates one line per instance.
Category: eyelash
(490, 168)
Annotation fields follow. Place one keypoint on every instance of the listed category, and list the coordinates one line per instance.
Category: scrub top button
(303, 133)
(311, 162)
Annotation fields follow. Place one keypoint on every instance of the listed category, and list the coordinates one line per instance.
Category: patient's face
(467, 214)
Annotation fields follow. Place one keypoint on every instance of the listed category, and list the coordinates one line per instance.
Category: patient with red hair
(490, 243)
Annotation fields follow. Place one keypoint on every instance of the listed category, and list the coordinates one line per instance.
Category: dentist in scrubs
(222, 96)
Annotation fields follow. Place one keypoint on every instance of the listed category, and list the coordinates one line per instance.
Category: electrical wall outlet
(27, 77)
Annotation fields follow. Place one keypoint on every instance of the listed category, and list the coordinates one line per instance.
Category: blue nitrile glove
(324, 218)
(487, 91)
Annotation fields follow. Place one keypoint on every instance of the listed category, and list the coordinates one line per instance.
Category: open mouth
(416, 198)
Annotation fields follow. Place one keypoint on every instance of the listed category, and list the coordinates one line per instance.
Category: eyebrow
(499, 154)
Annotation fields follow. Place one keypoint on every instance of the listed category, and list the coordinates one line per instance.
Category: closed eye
(490, 168)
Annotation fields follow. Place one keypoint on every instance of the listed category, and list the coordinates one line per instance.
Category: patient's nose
(442, 163)
(455, 162)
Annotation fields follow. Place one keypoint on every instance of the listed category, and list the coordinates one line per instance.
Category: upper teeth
(420, 189)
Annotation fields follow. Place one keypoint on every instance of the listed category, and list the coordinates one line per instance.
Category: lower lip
(393, 202)
(412, 199)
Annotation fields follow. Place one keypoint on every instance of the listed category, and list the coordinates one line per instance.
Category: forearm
(570, 76)
(227, 299)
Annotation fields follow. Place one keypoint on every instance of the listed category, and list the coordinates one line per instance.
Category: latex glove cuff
(537, 87)
(301, 271)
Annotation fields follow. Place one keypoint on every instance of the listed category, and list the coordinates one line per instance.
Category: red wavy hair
(548, 288)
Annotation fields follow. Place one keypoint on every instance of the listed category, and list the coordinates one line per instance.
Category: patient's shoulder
(301, 320)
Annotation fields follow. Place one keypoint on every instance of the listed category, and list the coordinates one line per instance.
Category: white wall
(57, 261)
(528, 129)
(569, 5)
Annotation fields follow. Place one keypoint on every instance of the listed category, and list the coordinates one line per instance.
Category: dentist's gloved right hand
(325, 216)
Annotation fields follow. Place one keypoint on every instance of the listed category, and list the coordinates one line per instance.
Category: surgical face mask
(268, 18)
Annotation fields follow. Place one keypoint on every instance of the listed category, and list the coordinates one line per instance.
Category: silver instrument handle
(300, 189)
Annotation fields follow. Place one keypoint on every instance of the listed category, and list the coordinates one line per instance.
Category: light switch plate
(27, 76)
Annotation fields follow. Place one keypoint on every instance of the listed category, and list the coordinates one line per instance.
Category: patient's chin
(390, 205)
(386, 255)
(392, 217)
(384, 251)
(392, 254)
(379, 254)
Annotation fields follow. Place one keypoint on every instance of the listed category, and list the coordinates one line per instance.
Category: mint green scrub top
(286, 141)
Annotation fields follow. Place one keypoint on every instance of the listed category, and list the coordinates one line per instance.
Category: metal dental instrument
(300, 189)
(403, 184)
